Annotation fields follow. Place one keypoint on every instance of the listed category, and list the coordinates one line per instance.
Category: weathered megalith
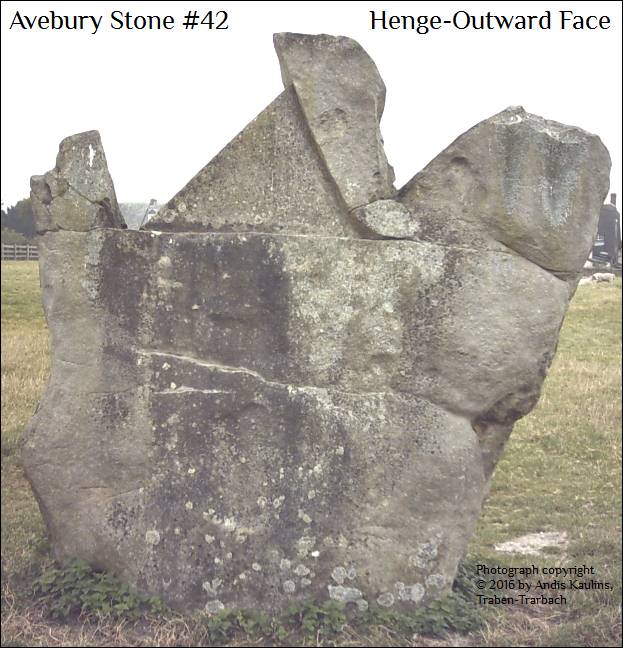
(296, 381)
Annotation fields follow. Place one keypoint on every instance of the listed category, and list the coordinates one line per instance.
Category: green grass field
(561, 472)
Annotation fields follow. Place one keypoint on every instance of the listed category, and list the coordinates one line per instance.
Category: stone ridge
(269, 178)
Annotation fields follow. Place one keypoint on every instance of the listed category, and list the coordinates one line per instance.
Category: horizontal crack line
(400, 395)
(182, 389)
(254, 374)
(313, 237)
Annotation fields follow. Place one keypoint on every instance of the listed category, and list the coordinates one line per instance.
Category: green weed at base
(76, 588)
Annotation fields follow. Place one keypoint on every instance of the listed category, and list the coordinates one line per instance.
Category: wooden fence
(20, 252)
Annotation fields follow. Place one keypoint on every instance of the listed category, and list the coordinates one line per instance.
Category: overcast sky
(166, 102)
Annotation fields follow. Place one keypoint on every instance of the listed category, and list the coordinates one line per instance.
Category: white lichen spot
(338, 575)
(229, 524)
(386, 599)
(289, 586)
(181, 207)
(305, 582)
(214, 607)
(413, 593)
(303, 516)
(304, 545)
(311, 494)
(362, 605)
(211, 587)
(424, 555)
(176, 530)
(242, 576)
(218, 561)
(339, 451)
(166, 366)
(301, 570)
(172, 386)
(243, 460)
(152, 537)
(314, 554)
(209, 538)
(282, 473)
(91, 155)
(194, 307)
(192, 471)
(285, 564)
(188, 506)
(317, 469)
(229, 555)
(256, 567)
(436, 580)
(351, 573)
(344, 594)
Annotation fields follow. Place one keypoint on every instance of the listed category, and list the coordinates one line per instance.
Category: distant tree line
(18, 223)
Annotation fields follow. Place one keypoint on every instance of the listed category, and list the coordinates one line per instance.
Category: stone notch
(78, 193)
(533, 185)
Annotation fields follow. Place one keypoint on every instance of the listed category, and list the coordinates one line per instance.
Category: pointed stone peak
(342, 96)
(78, 194)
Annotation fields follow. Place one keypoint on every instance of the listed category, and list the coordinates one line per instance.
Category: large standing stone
(290, 393)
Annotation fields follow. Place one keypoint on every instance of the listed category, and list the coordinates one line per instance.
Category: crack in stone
(254, 374)
(293, 387)
(185, 390)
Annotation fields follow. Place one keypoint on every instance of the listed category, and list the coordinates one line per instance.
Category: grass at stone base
(561, 472)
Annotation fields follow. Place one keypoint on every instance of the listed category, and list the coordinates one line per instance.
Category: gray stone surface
(297, 399)
(342, 96)
(269, 178)
(532, 184)
(386, 219)
(78, 194)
